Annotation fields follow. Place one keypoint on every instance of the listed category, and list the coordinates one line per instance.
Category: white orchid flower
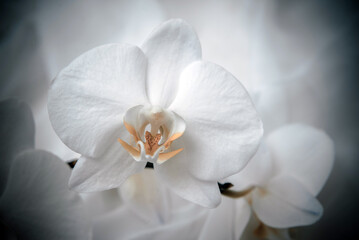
(35, 202)
(121, 106)
(284, 177)
(301, 148)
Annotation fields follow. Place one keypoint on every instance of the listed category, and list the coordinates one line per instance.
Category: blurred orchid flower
(146, 196)
(35, 202)
(151, 211)
(284, 177)
(257, 230)
(192, 119)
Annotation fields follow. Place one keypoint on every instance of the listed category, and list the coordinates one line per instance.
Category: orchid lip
(153, 129)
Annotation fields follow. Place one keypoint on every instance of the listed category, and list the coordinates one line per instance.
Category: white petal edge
(223, 129)
(304, 152)
(37, 203)
(88, 98)
(106, 172)
(175, 174)
(286, 203)
(169, 49)
(256, 173)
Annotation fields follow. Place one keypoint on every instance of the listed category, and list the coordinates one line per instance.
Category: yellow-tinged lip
(131, 130)
(131, 150)
(167, 155)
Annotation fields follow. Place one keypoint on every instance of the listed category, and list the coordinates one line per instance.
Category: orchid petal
(88, 98)
(169, 49)
(17, 134)
(256, 173)
(118, 224)
(185, 224)
(102, 202)
(146, 197)
(257, 230)
(286, 203)
(187, 227)
(303, 152)
(243, 214)
(227, 221)
(37, 203)
(223, 129)
(175, 174)
(106, 172)
(133, 122)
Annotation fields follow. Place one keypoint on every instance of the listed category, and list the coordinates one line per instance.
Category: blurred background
(299, 60)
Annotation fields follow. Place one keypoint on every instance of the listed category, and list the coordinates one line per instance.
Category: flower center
(153, 130)
(151, 144)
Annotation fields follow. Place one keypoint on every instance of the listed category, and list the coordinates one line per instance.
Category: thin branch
(72, 163)
(224, 189)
